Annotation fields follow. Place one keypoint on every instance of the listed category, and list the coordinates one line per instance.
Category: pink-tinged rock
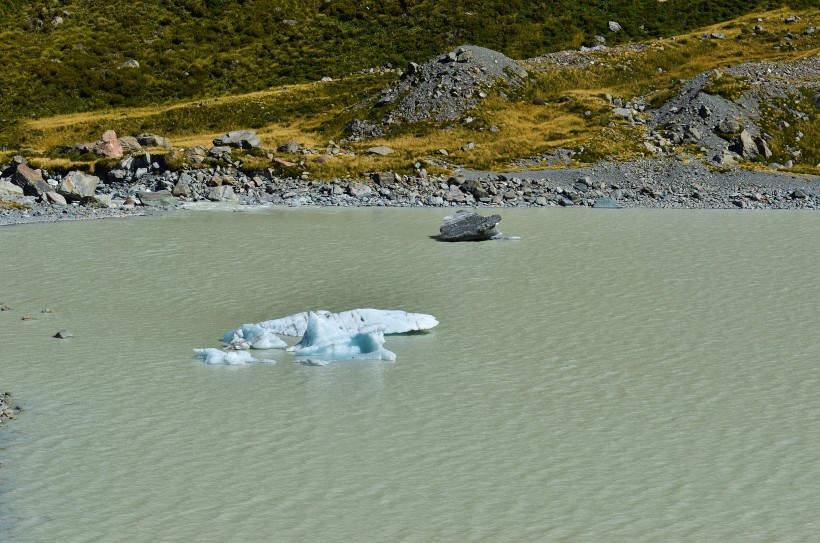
(52, 197)
(108, 145)
(31, 181)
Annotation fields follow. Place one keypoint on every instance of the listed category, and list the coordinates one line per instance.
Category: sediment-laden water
(628, 375)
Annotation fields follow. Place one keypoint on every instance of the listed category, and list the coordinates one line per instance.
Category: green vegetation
(210, 66)
(12, 205)
(727, 86)
(794, 124)
(66, 56)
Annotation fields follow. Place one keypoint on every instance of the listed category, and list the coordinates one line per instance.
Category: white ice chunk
(394, 321)
(323, 339)
(231, 358)
(252, 336)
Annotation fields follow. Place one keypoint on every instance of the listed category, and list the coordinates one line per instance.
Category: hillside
(724, 116)
(568, 107)
(63, 56)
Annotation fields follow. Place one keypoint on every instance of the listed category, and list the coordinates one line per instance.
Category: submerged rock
(231, 358)
(606, 202)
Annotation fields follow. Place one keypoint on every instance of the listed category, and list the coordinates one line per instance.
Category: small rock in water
(63, 334)
(29, 318)
(4, 307)
(314, 362)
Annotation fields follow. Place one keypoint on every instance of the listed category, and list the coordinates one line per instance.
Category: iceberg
(252, 336)
(230, 358)
(394, 321)
(322, 338)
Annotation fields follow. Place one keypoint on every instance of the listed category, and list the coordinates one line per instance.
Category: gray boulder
(52, 197)
(385, 178)
(130, 144)
(468, 226)
(152, 140)
(745, 145)
(763, 147)
(728, 126)
(360, 190)
(455, 195)
(100, 201)
(243, 139)
(76, 185)
(135, 162)
(290, 147)
(382, 150)
(7, 187)
(622, 112)
(222, 193)
(79, 148)
(196, 154)
(183, 186)
(614, 27)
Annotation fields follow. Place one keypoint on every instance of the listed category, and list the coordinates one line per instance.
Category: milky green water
(618, 376)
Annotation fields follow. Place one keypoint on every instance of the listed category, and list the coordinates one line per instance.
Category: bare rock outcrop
(442, 89)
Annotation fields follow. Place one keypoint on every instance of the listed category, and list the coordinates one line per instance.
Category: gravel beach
(658, 183)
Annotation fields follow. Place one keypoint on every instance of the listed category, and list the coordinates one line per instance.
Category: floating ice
(252, 336)
(231, 358)
(323, 339)
(394, 321)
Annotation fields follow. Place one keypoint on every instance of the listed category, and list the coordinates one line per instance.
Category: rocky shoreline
(679, 182)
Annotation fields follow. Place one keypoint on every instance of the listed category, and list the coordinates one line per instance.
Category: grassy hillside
(560, 106)
(63, 56)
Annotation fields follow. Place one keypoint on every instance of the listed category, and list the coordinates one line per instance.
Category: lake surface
(630, 375)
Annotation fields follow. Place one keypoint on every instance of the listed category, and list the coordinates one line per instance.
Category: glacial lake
(615, 375)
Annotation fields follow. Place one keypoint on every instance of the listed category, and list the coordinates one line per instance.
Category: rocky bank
(697, 145)
(678, 182)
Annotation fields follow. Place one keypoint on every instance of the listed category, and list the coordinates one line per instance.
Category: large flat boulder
(468, 226)
(243, 139)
